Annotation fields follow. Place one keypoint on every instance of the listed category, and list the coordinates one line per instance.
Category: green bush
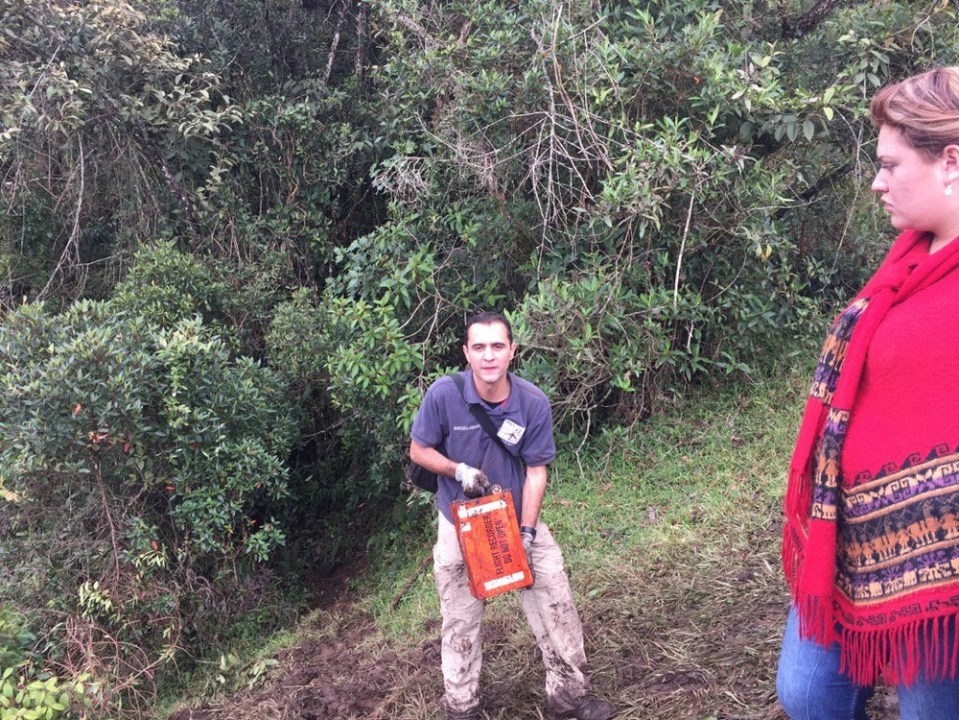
(661, 191)
(106, 129)
(165, 286)
(29, 692)
(36, 699)
(355, 355)
(145, 472)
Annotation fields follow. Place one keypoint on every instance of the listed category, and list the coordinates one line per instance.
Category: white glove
(474, 481)
(528, 535)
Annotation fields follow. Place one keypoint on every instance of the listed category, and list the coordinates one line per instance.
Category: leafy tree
(143, 472)
(105, 131)
(661, 190)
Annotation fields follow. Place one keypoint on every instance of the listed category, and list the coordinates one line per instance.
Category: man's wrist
(527, 530)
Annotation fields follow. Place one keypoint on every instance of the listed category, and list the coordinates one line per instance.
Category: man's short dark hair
(487, 317)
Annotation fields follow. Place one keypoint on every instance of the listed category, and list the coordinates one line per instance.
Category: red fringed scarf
(872, 555)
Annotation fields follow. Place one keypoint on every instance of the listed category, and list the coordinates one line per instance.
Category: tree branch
(334, 45)
(71, 250)
(361, 40)
(811, 19)
(826, 181)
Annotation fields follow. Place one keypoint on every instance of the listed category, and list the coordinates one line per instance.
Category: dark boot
(588, 709)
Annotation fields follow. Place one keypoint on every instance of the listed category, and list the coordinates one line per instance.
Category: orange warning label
(492, 547)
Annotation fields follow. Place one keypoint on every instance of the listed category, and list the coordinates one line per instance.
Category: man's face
(488, 351)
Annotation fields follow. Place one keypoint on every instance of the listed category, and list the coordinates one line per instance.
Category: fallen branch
(399, 596)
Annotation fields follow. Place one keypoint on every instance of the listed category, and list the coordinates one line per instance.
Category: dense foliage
(239, 239)
(143, 463)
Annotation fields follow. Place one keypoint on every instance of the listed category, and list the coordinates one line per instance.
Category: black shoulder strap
(481, 417)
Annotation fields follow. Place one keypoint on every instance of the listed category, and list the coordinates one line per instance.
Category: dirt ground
(695, 669)
(688, 642)
(351, 673)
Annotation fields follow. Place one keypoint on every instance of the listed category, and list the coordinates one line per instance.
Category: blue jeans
(810, 686)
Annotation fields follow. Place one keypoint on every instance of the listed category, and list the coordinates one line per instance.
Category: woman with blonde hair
(871, 543)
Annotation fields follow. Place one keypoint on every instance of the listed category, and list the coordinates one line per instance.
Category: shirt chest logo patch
(510, 433)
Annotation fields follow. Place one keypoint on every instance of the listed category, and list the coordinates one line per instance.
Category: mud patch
(348, 674)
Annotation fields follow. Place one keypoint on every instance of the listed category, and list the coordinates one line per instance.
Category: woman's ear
(950, 161)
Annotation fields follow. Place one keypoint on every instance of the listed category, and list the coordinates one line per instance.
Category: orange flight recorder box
(492, 547)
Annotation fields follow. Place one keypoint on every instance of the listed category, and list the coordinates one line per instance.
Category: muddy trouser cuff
(555, 624)
(549, 609)
(461, 638)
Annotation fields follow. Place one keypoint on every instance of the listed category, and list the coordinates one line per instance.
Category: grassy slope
(671, 537)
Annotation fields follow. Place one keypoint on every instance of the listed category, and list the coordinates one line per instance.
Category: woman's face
(912, 187)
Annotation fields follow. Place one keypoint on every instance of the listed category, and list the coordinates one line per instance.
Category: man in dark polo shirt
(447, 439)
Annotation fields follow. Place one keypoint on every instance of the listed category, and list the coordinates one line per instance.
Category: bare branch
(71, 251)
(682, 248)
(334, 45)
(811, 19)
(361, 40)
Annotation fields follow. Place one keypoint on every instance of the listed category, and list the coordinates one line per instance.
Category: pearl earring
(948, 191)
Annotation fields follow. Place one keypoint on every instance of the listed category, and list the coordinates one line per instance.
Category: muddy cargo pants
(549, 609)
